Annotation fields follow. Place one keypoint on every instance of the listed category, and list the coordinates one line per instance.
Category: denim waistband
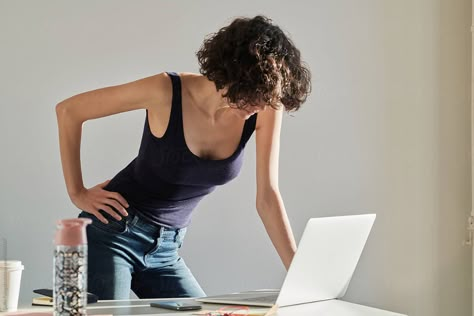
(135, 219)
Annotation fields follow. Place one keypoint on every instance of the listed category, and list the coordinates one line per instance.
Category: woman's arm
(269, 203)
(74, 111)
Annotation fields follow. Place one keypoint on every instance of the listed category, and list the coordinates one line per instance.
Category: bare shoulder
(164, 88)
(268, 119)
(159, 89)
(189, 80)
(189, 74)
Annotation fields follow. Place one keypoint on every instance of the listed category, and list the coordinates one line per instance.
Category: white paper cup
(10, 279)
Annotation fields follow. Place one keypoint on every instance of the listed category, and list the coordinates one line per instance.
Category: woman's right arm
(74, 111)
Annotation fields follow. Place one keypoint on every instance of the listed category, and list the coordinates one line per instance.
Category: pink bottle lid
(71, 232)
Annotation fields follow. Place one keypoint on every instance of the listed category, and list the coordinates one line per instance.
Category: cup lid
(10, 264)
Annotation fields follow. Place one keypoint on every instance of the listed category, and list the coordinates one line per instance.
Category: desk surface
(141, 307)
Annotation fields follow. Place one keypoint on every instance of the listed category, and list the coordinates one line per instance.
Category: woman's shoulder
(189, 74)
(189, 79)
(191, 83)
(164, 83)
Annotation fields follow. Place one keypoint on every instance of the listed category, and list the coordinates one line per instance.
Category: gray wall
(386, 130)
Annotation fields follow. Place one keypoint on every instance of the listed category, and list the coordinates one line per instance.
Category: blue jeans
(136, 254)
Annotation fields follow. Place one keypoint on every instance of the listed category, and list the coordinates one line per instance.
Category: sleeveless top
(165, 182)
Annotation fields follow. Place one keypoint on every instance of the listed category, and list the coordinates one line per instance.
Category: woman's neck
(207, 100)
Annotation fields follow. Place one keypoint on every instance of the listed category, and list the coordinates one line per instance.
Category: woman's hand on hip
(96, 198)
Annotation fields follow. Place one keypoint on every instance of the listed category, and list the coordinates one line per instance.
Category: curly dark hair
(256, 62)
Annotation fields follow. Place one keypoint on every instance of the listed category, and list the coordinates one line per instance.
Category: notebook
(322, 267)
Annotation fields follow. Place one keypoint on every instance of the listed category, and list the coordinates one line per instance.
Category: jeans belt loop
(134, 220)
(162, 230)
(179, 234)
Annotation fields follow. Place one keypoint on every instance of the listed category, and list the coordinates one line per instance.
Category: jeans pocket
(114, 226)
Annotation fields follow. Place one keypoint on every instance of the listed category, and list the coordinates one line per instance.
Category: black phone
(176, 306)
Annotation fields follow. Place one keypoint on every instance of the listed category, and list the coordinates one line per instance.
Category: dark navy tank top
(165, 182)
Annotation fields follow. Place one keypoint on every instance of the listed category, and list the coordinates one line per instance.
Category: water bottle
(70, 267)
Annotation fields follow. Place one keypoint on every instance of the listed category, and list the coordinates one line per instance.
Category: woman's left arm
(269, 203)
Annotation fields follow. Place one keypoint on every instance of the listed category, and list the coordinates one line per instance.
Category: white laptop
(322, 267)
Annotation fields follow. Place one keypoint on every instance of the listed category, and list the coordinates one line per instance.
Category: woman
(196, 128)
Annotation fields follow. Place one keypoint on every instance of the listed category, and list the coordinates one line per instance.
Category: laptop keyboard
(264, 299)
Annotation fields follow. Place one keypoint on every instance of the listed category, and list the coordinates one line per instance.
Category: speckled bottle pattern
(70, 267)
